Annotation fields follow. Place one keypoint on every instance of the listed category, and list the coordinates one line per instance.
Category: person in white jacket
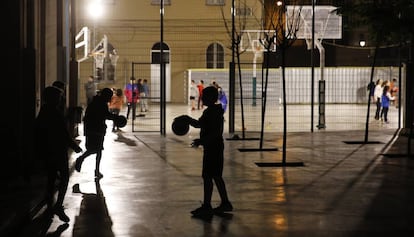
(377, 95)
(193, 94)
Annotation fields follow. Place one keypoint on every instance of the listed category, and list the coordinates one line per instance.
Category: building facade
(197, 34)
(41, 38)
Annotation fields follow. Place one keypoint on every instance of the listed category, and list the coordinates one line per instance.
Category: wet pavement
(152, 182)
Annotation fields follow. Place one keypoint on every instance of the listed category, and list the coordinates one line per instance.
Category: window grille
(215, 2)
(215, 56)
(244, 11)
(109, 2)
(158, 2)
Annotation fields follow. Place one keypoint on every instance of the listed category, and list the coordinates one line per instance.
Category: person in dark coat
(211, 138)
(52, 143)
(94, 123)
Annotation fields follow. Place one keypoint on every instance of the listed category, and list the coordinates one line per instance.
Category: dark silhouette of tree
(282, 32)
(235, 32)
(388, 22)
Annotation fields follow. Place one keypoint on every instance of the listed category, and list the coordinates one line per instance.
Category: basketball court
(338, 117)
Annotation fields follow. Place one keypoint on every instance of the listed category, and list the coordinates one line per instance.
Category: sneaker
(60, 229)
(203, 210)
(224, 207)
(61, 214)
(76, 188)
(78, 164)
(98, 175)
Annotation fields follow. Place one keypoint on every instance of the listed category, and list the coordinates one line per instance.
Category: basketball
(180, 127)
(121, 121)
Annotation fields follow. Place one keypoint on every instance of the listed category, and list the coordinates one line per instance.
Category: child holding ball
(211, 138)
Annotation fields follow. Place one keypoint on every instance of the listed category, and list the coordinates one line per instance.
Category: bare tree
(388, 22)
(235, 31)
(282, 32)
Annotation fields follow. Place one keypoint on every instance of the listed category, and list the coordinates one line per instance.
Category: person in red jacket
(132, 96)
(200, 87)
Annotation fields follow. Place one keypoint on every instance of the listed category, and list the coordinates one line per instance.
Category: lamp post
(95, 10)
(73, 69)
(162, 73)
(232, 72)
(362, 41)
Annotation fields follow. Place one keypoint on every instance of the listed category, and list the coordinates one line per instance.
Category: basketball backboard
(328, 25)
(257, 41)
(83, 41)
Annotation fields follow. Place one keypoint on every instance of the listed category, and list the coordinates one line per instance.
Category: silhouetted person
(211, 138)
(40, 225)
(52, 143)
(94, 124)
(62, 104)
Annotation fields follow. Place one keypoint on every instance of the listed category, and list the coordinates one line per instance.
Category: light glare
(95, 9)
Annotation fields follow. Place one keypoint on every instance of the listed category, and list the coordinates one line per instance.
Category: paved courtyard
(152, 182)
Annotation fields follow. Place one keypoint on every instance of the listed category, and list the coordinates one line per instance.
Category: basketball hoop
(99, 60)
(258, 50)
(255, 41)
(257, 46)
(114, 59)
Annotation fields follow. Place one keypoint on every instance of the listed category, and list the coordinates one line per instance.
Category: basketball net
(256, 41)
(257, 47)
(99, 59)
(114, 59)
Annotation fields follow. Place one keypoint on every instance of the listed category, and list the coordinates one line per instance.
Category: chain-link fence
(346, 97)
(148, 110)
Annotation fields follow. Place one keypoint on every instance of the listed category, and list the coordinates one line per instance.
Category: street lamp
(95, 10)
(362, 41)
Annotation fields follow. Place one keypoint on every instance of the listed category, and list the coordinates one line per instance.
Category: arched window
(215, 56)
(156, 52)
